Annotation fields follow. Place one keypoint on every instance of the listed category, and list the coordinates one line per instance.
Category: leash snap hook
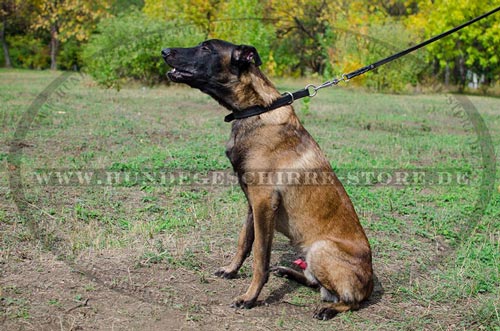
(315, 89)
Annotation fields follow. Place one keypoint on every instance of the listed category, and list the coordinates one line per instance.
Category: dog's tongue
(301, 263)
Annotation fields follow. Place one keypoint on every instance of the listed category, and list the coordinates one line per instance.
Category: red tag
(301, 263)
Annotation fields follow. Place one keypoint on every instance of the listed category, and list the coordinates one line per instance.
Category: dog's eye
(205, 48)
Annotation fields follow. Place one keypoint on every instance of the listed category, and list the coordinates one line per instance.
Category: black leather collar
(286, 99)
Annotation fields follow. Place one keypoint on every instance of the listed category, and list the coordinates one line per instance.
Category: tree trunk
(54, 45)
(6, 55)
(447, 75)
(462, 71)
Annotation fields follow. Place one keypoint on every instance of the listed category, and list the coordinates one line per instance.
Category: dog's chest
(238, 147)
(233, 154)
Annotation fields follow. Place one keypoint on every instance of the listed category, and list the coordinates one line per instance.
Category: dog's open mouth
(177, 75)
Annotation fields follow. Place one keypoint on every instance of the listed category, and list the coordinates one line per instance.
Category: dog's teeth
(173, 70)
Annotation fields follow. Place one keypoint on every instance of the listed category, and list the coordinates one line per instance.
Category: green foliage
(69, 56)
(200, 13)
(350, 50)
(288, 63)
(473, 48)
(395, 76)
(128, 47)
(241, 22)
(120, 6)
(299, 28)
(294, 38)
(28, 51)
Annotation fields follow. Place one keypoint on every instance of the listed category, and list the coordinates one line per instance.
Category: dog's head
(214, 66)
(212, 60)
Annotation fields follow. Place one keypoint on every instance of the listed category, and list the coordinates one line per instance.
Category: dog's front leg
(245, 242)
(264, 213)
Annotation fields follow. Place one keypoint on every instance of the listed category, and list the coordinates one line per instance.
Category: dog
(316, 214)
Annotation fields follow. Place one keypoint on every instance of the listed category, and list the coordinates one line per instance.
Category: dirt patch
(42, 293)
(120, 290)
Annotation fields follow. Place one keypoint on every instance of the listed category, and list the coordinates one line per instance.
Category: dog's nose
(166, 52)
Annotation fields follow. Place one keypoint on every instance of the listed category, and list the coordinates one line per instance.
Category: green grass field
(137, 253)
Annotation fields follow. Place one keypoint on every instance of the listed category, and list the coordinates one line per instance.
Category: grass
(430, 248)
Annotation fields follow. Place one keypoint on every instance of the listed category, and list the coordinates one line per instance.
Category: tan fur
(319, 219)
(311, 207)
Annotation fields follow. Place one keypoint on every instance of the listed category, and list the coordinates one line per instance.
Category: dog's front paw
(242, 302)
(225, 273)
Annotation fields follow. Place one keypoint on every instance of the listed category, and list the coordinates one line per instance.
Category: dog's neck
(251, 89)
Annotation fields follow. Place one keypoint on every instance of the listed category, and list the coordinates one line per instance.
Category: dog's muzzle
(176, 74)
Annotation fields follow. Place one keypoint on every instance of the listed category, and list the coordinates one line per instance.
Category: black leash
(288, 98)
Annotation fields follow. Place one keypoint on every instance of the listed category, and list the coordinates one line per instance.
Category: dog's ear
(244, 55)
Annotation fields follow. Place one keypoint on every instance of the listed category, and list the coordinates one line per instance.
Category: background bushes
(33, 52)
(127, 47)
(28, 52)
(347, 50)
(118, 40)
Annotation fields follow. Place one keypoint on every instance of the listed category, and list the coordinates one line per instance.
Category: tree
(245, 22)
(300, 26)
(64, 19)
(474, 48)
(14, 15)
(6, 10)
(200, 13)
(304, 25)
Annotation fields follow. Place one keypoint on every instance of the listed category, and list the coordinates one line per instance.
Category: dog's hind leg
(345, 279)
(245, 242)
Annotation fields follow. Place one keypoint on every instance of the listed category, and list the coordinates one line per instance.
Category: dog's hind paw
(279, 271)
(223, 273)
(324, 314)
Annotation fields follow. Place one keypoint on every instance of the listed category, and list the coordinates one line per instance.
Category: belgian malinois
(315, 214)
